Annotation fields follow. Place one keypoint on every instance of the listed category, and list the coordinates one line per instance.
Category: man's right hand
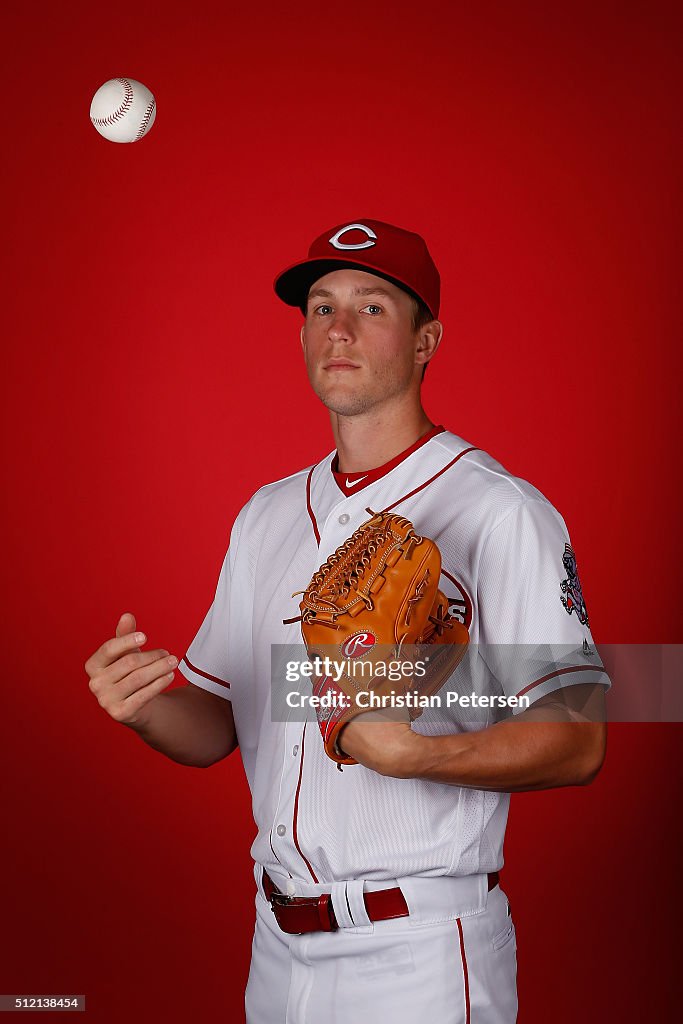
(125, 679)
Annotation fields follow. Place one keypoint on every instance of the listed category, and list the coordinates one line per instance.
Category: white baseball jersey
(509, 573)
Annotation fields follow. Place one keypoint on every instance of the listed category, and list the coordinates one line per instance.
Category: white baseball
(123, 110)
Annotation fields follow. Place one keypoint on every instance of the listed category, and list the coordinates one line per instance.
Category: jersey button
(343, 519)
(295, 750)
(281, 829)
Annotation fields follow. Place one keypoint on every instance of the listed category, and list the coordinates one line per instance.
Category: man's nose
(341, 327)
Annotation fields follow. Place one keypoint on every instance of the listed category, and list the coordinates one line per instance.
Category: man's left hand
(387, 747)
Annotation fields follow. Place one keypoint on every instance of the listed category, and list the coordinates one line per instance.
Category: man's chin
(350, 405)
(344, 401)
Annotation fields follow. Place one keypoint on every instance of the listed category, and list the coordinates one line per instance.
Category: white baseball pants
(453, 960)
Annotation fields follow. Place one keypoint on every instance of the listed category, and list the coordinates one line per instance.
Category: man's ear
(429, 340)
(301, 335)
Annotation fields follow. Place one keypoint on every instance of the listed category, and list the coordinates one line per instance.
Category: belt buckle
(323, 905)
(281, 899)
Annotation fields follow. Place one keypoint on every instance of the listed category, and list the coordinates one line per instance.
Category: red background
(153, 381)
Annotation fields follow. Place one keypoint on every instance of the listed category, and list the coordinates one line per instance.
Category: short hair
(422, 315)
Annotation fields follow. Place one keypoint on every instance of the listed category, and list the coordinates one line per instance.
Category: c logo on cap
(357, 245)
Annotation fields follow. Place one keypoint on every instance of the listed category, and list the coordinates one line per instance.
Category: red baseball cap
(397, 255)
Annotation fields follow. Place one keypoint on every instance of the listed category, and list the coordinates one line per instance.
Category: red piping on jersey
(371, 476)
(214, 679)
(465, 975)
(410, 494)
(431, 480)
(468, 599)
(560, 672)
(310, 507)
(296, 807)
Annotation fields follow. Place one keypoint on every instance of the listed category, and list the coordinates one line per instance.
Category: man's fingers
(127, 711)
(141, 677)
(122, 677)
(146, 674)
(124, 667)
(124, 700)
(111, 650)
(126, 624)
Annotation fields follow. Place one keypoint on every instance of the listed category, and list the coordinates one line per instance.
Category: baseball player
(378, 886)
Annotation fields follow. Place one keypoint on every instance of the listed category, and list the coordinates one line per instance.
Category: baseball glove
(375, 594)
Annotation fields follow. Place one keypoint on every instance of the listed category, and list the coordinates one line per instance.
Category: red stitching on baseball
(145, 121)
(118, 114)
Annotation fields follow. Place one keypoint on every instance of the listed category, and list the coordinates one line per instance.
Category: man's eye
(320, 309)
(373, 305)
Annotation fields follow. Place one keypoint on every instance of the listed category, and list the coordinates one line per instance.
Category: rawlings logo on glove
(376, 593)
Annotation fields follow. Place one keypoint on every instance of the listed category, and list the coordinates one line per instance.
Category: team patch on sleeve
(572, 595)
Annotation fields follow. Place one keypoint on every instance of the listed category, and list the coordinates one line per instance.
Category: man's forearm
(190, 726)
(559, 741)
(514, 756)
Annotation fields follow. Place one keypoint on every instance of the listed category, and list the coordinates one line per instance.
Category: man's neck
(368, 441)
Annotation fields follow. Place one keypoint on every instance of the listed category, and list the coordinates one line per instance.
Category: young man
(378, 890)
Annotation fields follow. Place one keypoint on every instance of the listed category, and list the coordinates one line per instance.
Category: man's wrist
(415, 756)
(426, 756)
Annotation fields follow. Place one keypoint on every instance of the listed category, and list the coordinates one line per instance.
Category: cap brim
(294, 283)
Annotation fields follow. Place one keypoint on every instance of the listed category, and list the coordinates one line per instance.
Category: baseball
(123, 110)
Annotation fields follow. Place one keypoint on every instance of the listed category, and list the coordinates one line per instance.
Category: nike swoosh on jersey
(352, 483)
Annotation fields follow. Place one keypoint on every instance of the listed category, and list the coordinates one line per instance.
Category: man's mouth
(340, 364)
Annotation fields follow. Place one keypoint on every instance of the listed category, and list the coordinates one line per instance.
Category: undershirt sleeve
(534, 632)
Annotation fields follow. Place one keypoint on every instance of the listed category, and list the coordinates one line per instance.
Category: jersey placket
(285, 839)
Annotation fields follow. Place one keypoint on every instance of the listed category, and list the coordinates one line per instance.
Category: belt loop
(354, 895)
(325, 913)
(340, 906)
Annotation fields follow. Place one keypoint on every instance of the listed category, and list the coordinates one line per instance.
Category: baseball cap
(397, 255)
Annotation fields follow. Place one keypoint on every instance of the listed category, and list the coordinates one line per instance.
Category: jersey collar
(351, 483)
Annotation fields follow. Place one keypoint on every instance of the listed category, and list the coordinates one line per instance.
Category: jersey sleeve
(534, 632)
(207, 661)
